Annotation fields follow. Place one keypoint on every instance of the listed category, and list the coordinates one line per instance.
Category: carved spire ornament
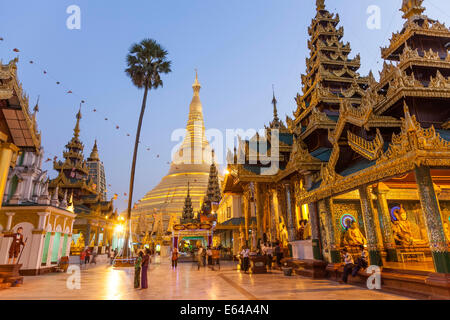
(320, 4)
(412, 8)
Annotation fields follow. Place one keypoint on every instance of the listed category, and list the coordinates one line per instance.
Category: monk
(14, 249)
(354, 237)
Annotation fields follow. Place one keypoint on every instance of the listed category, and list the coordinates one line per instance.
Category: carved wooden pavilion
(373, 152)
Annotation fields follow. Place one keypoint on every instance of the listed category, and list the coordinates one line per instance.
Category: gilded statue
(353, 236)
(284, 235)
(79, 245)
(447, 231)
(402, 229)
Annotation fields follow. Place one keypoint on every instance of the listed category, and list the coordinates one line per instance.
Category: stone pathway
(187, 283)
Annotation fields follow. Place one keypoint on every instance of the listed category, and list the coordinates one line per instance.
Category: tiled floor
(105, 282)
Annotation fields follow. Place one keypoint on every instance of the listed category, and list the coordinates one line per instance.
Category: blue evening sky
(240, 47)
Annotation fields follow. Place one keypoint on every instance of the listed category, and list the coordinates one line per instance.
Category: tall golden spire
(194, 149)
(76, 130)
(196, 86)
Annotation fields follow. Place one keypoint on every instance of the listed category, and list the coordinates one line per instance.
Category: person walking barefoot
(137, 270)
(144, 269)
(174, 258)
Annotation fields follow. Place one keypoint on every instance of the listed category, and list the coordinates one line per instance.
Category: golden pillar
(385, 219)
(7, 153)
(259, 210)
(369, 218)
(332, 230)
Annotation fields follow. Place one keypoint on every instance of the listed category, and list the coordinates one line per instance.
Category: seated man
(362, 262)
(348, 264)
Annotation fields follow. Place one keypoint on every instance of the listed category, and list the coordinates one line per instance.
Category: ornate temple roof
(16, 120)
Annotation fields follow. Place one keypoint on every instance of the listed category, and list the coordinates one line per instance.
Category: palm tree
(146, 62)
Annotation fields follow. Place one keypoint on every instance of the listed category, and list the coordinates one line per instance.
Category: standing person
(87, 259)
(209, 254)
(348, 264)
(361, 262)
(82, 257)
(144, 269)
(200, 256)
(245, 258)
(278, 254)
(137, 270)
(111, 256)
(94, 258)
(204, 257)
(215, 257)
(174, 258)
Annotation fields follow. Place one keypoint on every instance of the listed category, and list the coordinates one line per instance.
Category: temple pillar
(247, 214)
(383, 210)
(37, 246)
(87, 238)
(332, 230)
(48, 263)
(290, 217)
(369, 224)
(7, 151)
(96, 239)
(259, 198)
(433, 219)
(315, 230)
(10, 215)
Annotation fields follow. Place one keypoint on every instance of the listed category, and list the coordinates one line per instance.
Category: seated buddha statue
(353, 236)
(402, 229)
(79, 245)
(447, 231)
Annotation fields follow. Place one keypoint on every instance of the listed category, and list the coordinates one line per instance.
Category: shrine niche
(347, 213)
(408, 225)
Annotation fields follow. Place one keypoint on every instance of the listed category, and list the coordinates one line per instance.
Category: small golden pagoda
(96, 218)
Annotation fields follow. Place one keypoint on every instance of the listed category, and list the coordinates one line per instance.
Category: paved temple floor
(105, 282)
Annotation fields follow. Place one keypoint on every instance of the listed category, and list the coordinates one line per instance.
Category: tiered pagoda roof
(16, 121)
(73, 171)
(410, 99)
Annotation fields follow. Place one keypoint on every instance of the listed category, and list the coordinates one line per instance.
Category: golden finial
(76, 130)
(196, 86)
(412, 8)
(36, 107)
(409, 121)
(320, 5)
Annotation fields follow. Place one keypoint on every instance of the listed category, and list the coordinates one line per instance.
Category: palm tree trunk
(126, 251)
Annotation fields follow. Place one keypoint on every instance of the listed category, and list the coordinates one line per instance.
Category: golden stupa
(191, 163)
